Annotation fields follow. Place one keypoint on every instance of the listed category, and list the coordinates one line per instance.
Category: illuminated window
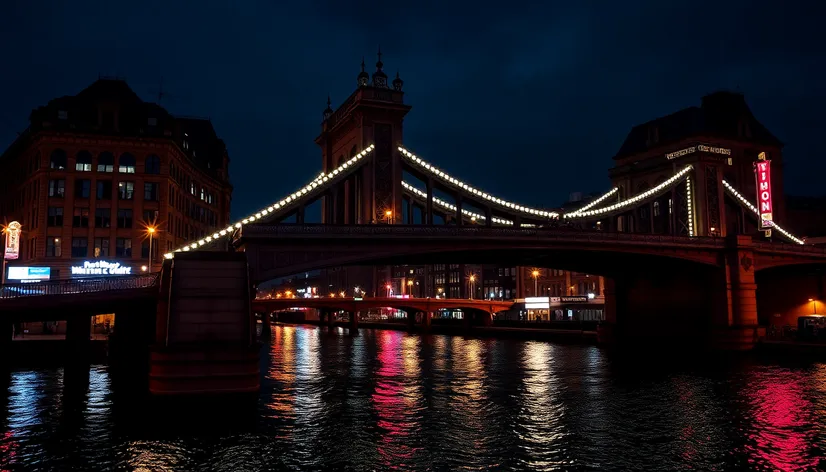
(127, 164)
(106, 162)
(57, 188)
(126, 190)
(53, 247)
(101, 247)
(83, 162)
(58, 159)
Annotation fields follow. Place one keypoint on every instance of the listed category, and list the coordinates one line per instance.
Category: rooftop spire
(328, 111)
(379, 77)
(363, 77)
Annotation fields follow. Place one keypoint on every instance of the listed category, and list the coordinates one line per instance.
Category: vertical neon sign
(12, 246)
(762, 174)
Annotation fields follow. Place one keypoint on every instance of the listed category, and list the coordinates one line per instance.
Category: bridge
(686, 253)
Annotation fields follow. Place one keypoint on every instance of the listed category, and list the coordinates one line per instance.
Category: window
(123, 247)
(150, 216)
(101, 247)
(55, 216)
(192, 187)
(124, 218)
(83, 162)
(150, 191)
(82, 188)
(80, 218)
(145, 249)
(106, 162)
(52, 247)
(80, 247)
(62, 115)
(127, 163)
(126, 190)
(58, 159)
(102, 217)
(104, 189)
(57, 188)
(656, 208)
(153, 164)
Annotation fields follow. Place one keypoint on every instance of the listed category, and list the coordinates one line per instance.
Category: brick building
(94, 170)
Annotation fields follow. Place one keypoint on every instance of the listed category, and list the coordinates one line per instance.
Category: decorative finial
(330, 102)
(379, 64)
(398, 83)
(328, 111)
(362, 63)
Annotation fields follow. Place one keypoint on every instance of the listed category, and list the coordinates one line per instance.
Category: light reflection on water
(386, 400)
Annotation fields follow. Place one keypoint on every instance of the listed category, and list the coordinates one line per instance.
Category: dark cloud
(527, 99)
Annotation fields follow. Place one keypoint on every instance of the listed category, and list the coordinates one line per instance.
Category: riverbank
(539, 334)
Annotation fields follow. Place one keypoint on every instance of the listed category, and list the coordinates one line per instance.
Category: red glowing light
(762, 173)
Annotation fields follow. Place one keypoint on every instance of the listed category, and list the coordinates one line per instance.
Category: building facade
(95, 171)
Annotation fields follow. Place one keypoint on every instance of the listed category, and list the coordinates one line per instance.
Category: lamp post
(535, 274)
(410, 288)
(472, 279)
(389, 215)
(389, 288)
(814, 306)
(150, 230)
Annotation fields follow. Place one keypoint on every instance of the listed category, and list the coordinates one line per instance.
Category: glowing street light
(535, 274)
(144, 268)
(150, 230)
(472, 279)
(410, 287)
(389, 215)
(814, 306)
(389, 289)
(341, 294)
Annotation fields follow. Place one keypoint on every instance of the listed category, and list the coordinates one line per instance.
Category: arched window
(152, 164)
(106, 162)
(127, 163)
(353, 151)
(58, 159)
(83, 162)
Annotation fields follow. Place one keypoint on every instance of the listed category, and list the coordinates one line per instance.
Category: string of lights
(439, 202)
(595, 202)
(318, 184)
(673, 180)
(445, 177)
(743, 201)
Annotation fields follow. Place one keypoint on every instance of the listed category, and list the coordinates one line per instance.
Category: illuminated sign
(762, 173)
(700, 148)
(101, 268)
(12, 246)
(29, 274)
(575, 299)
(537, 303)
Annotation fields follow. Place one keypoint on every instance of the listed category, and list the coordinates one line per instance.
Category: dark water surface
(389, 400)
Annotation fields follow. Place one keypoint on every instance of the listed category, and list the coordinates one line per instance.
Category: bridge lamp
(389, 215)
(144, 268)
(288, 293)
(535, 274)
(472, 279)
(341, 294)
(814, 306)
(389, 289)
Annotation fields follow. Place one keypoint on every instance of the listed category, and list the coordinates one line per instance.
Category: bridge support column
(740, 329)
(78, 334)
(606, 330)
(410, 211)
(486, 318)
(459, 209)
(354, 322)
(488, 217)
(266, 325)
(411, 320)
(426, 317)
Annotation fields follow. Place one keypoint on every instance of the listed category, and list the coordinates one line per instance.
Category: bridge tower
(372, 114)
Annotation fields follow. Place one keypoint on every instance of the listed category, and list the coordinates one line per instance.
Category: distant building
(94, 170)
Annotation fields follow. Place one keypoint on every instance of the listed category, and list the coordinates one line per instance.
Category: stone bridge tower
(372, 114)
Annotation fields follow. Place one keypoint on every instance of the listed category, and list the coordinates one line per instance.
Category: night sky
(528, 104)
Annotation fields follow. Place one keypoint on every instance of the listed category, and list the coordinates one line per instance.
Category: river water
(387, 400)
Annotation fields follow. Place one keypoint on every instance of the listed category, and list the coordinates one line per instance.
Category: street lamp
(144, 268)
(535, 274)
(472, 279)
(389, 288)
(389, 215)
(814, 306)
(440, 290)
(150, 230)
(410, 287)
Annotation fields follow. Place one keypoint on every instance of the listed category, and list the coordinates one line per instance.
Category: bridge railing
(75, 286)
